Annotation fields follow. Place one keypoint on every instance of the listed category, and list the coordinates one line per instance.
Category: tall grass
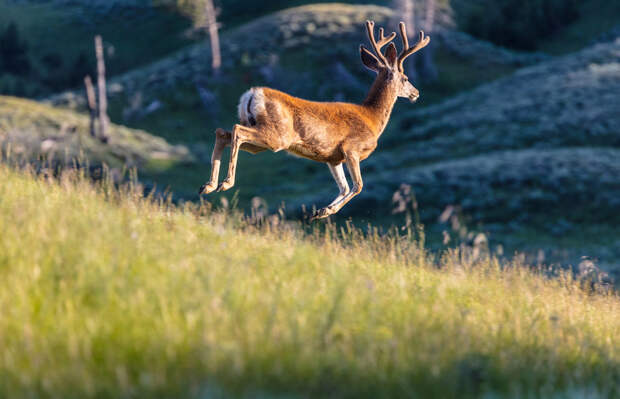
(104, 293)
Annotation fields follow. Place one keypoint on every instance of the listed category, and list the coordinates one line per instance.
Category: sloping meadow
(108, 294)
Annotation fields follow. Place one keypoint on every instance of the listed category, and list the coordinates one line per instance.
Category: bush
(514, 23)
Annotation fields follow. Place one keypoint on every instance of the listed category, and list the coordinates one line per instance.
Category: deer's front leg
(222, 139)
(343, 187)
(353, 165)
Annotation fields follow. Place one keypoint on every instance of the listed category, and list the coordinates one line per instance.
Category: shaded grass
(108, 294)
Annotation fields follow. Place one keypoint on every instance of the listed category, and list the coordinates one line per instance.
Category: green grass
(108, 294)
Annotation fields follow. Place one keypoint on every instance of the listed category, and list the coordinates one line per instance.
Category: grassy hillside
(31, 129)
(185, 302)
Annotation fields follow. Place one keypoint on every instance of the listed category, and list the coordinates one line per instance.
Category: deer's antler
(370, 27)
(407, 51)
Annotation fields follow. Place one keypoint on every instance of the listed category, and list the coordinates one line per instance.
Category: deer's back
(317, 130)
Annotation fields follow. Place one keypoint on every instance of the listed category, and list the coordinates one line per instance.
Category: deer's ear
(391, 54)
(369, 60)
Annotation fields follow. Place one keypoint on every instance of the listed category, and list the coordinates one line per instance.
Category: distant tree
(404, 10)
(211, 26)
(204, 16)
(422, 65)
(13, 52)
(91, 101)
(428, 69)
(104, 121)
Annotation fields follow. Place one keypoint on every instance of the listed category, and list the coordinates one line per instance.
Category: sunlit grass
(107, 294)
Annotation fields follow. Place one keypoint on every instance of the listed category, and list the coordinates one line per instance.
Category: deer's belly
(302, 151)
(315, 154)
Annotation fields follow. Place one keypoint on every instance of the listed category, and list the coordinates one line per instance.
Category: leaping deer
(328, 132)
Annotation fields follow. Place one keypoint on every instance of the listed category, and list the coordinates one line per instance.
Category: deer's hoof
(321, 214)
(206, 189)
(225, 185)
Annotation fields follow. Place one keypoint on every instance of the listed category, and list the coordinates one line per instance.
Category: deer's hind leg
(254, 141)
(222, 140)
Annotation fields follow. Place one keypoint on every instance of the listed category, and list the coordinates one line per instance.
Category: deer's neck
(380, 103)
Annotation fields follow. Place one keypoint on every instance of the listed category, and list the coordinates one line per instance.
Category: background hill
(325, 36)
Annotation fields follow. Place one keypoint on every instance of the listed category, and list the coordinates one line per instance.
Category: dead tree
(104, 121)
(404, 10)
(92, 104)
(211, 27)
(428, 69)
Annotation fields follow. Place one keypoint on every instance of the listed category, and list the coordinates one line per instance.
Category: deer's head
(389, 67)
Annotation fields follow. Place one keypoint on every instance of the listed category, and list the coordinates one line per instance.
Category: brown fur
(327, 132)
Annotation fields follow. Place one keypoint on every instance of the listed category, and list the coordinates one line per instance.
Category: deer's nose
(414, 97)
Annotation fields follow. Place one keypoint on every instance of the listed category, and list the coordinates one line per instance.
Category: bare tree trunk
(211, 26)
(405, 11)
(430, 16)
(429, 71)
(92, 103)
(104, 121)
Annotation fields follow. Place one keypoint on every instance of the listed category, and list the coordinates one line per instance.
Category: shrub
(514, 23)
